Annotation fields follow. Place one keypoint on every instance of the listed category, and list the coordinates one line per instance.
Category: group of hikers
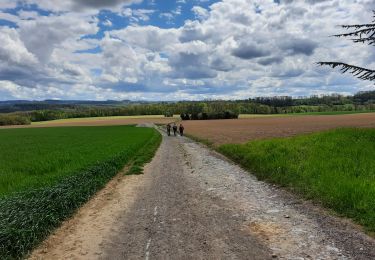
(174, 128)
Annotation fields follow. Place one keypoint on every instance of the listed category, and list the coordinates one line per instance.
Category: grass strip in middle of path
(336, 168)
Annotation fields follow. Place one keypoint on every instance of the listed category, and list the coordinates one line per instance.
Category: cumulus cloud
(200, 12)
(5, 4)
(299, 46)
(147, 37)
(9, 17)
(43, 35)
(13, 50)
(190, 60)
(250, 51)
(231, 49)
(80, 5)
(103, 3)
(270, 60)
(136, 15)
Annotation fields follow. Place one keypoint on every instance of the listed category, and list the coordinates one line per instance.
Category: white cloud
(25, 15)
(9, 17)
(80, 5)
(41, 36)
(136, 15)
(170, 16)
(200, 12)
(107, 23)
(147, 37)
(13, 50)
(6, 4)
(233, 49)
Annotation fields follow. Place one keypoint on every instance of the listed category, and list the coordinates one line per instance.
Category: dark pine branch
(361, 73)
(358, 26)
(360, 32)
(368, 40)
(365, 35)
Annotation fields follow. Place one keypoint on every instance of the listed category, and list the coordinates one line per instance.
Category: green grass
(260, 115)
(204, 141)
(335, 168)
(47, 173)
(333, 113)
(40, 156)
(103, 118)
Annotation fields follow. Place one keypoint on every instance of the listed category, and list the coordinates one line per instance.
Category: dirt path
(193, 204)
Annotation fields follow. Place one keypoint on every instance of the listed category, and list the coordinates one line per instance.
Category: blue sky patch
(92, 50)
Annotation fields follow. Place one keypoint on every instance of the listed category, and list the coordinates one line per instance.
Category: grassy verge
(334, 113)
(145, 155)
(90, 156)
(336, 168)
(305, 114)
(201, 140)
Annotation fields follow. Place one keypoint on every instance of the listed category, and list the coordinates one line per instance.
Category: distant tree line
(199, 110)
(209, 116)
(11, 119)
(30, 106)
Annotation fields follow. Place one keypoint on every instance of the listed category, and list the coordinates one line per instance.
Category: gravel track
(192, 203)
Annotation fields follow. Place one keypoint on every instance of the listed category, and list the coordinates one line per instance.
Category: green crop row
(335, 168)
(29, 215)
(38, 157)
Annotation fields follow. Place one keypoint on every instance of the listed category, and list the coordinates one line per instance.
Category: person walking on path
(174, 129)
(169, 129)
(181, 130)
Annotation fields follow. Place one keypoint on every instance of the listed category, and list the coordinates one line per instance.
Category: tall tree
(359, 33)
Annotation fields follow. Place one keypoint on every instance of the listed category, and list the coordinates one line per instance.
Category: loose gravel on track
(193, 203)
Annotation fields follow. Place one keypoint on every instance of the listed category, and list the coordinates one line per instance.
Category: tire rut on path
(192, 203)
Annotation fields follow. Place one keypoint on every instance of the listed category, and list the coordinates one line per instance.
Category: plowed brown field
(242, 130)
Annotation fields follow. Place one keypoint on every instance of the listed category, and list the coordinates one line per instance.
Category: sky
(178, 50)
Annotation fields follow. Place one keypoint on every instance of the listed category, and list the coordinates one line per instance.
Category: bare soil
(81, 236)
(243, 130)
(192, 203)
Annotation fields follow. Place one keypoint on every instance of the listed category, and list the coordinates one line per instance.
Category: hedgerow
(12, 119)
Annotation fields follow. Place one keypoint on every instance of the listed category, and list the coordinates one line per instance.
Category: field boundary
(204, 141)
(144, 155)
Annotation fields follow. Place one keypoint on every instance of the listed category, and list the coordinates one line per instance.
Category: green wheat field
(47, 173)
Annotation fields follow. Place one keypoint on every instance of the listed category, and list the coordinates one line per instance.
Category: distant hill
(9, 106)
(360, 101)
